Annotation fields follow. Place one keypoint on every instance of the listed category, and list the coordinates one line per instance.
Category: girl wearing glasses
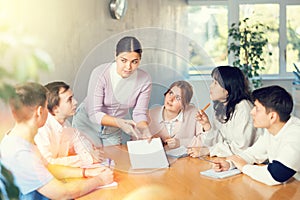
(113, 89)
(174, 122)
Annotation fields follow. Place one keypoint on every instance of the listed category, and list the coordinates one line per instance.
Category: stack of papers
(147, 155)
(224, 174)
(178, 152)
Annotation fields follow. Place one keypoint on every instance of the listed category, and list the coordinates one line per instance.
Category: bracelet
(83, 173)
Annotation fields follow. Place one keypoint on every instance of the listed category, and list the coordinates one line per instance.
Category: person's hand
(197, 151)
(172, 142)
(203, 119)
(237, 161)
(220, 164)
(144, 133)
(106, 176)
(128, 126)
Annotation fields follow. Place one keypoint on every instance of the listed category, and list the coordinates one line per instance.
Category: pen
(207, 105)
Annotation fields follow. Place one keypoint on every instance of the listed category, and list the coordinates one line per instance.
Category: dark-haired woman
(232, 129)
(113, 89)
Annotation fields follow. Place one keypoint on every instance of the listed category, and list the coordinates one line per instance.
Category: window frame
(233, 17)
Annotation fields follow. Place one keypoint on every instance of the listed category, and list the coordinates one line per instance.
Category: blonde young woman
(175, 122)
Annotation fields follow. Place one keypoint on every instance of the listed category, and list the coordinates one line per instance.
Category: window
(267, 14)
(209, 30)
(293, 36)
(209, 22)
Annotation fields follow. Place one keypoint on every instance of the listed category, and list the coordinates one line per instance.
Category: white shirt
(234, 136)
(25, 162)
(170, 124)
(61, 144)
(283, 147)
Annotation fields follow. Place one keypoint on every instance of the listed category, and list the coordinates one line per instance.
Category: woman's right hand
(203, 119)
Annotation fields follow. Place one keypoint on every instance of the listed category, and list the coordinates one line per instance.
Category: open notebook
(145, 155)
(224, 174)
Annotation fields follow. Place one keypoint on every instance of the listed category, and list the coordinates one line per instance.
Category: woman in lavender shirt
(113, 89)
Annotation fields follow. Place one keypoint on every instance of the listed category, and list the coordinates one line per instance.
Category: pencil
(207, 105)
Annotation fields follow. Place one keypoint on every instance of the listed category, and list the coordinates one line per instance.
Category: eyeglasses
(177, 97)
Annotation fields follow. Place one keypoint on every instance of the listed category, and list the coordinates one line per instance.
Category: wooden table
(183, 181)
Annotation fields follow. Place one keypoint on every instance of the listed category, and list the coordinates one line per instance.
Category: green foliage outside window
(248, 46)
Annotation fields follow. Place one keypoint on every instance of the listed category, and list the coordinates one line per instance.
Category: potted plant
(248, 45)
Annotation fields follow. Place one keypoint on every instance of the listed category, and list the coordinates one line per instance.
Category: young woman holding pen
(174, 122)
(232, 129)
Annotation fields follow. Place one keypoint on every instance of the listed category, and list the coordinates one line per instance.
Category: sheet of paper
(113, 184)
(145, 155)
(224, 174)
(178, 152)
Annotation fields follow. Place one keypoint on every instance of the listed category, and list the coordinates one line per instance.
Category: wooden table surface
(182, 180)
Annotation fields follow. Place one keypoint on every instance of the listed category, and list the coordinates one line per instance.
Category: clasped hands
(130, 127)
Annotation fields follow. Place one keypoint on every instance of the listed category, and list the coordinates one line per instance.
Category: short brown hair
(54, 91)
(26, 98)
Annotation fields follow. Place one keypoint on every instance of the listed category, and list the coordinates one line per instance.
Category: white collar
(54, 123)
(114, 76)
(179, 117)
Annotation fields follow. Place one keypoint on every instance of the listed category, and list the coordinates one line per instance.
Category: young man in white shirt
(279, 144)
(57, 141)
